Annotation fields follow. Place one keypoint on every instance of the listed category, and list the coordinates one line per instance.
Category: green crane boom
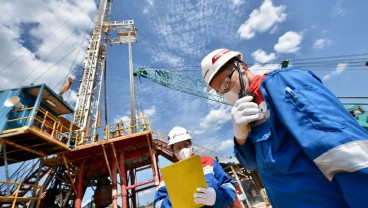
(196, 86)
(179, 82)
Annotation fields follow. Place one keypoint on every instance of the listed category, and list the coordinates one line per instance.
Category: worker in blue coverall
(307, 148)
(221, 188)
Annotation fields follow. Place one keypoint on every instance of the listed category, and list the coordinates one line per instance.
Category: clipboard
(182, 180)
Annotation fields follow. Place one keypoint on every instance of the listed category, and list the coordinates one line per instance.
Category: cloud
(237, 2)
(321, 43)
(148, 5)
(42, 41)
(214, 120)
(150, 112)
(186, 30)
(338, 9)
(261, 56)
(262, 19)
(121, 118)
(226, 144)
(259, 69)
(289, 42)
(339, 69)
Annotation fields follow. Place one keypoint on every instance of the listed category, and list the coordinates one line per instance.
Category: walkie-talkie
(243, 93)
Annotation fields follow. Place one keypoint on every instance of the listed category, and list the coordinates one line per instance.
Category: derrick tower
(75, 151)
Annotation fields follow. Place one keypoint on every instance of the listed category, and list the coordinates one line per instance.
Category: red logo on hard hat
(218, 55)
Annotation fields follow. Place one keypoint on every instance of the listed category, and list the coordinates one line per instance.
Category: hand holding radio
(243, 113)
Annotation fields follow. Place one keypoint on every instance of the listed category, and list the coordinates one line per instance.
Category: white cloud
(226, 144)
(121, 118)
(339, 9)
(150, 112)
(289, 42)
(148, 6)
(339, 69)
(214, 120)
(262, 57)
(321, 43)
(259, 69)
(187, 29)
(262, 19)
(237, 2)
(41, 40)
(149, 2)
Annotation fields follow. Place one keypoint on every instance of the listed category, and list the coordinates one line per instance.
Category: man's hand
(244, 112)
(206, 196)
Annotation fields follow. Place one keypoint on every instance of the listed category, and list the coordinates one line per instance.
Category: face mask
(233, 95)
(184, 153)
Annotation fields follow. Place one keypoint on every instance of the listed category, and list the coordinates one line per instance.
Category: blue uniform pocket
(316, 106)
(265, 148)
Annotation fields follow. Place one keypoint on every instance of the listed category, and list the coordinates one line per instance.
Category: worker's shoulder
(288, 72)
(207, 161)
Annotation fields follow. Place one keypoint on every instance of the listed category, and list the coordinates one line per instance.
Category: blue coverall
(309, 150)
(215, 178)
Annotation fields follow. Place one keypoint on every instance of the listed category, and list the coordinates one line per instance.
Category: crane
(179, 82)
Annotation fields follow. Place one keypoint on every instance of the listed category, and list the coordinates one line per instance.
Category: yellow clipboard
(182, 180)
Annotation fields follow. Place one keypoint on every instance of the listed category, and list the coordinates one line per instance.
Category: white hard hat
(214, 61)
(178, 134)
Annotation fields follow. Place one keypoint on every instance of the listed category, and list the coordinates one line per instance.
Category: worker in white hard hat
(307, 148)
(221, 188)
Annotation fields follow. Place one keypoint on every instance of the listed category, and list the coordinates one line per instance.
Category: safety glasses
(225, 84)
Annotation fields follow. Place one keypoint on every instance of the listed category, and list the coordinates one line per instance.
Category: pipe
(123, 181)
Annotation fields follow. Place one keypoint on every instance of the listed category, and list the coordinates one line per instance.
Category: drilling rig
(61, 151)
(77, 153)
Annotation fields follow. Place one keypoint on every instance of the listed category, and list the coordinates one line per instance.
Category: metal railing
(110, 131)
(14, 198)
(44, 121)
(49, 124)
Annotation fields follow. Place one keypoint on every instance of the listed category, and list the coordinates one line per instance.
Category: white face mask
(233, 95)
(184, 153)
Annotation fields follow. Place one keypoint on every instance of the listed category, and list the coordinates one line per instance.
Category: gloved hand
(206, 196)
(244, 112)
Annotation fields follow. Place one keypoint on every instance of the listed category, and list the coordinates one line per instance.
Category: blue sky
(45, 41)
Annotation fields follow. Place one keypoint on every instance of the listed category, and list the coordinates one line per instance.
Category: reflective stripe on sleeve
(228, 185)
(162, 184)
(159, 203)
(348, 157)
(208, 169)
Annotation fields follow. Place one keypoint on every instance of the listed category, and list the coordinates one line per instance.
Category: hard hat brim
(179, 139)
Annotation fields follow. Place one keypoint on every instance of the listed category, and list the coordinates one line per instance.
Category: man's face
(180, 145)
(183, 150)
(225, 80)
